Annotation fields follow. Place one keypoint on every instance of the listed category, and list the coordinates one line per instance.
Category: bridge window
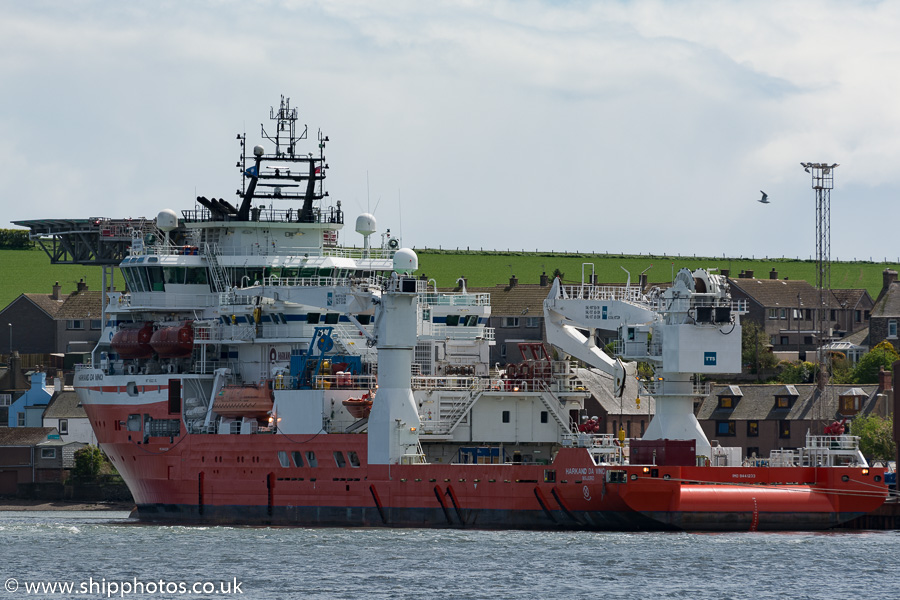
(297, 458)
(283, 459)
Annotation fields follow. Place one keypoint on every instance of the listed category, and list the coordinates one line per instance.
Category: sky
(621, 127)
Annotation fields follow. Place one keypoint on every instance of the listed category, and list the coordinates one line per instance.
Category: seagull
(765, 197)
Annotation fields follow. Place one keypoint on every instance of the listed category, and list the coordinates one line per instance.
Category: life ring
(511, 371)
(525, 371)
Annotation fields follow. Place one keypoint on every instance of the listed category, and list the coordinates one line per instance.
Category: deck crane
(687, 330)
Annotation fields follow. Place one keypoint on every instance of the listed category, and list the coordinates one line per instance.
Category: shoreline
(18, 505)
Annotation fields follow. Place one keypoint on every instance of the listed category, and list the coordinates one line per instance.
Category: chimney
(513, 281)
(748, 274)
(725, 272)
(594, 279)
(773, 274)
(642, 281)
(17, 378)
(888, 276)
(82, 286)
(545, 281)
(55, 294)
(884, 380)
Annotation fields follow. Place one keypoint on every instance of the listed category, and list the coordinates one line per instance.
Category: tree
(882, 355)
(88, 462)
(875, 436)
(798, 372)
(755, 348)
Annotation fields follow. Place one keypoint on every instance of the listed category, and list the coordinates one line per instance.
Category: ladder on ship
(218, 274)
(554, 407)
(457, 411)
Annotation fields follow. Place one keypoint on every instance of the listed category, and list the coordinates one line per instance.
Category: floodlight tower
(822, 183)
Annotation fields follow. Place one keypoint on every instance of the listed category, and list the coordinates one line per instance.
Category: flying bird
(765, 197)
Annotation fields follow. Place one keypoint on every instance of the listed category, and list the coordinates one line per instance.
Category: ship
(258, 370)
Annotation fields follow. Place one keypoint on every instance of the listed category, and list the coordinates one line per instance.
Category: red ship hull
(256, 479)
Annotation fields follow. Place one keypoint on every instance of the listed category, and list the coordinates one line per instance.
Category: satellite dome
(258, 150)
(405, 261)
(365, 224)
(167, 220)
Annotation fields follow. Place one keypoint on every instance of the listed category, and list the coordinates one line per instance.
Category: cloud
(620, 126)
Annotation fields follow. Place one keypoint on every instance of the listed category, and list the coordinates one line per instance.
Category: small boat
(133, 343)
(359, 408)
(173, 342)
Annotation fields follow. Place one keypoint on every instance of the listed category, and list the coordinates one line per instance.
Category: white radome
(167, 220)
(365, 224)
(405, 261)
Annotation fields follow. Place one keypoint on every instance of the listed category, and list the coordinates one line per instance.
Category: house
(517, 315)
(53, 323)
(787, 311)
(12, 385)
(33, 455)
(66, 414)
(886, 312)
(28, 409)
(761, 418)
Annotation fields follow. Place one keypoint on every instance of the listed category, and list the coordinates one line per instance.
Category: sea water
(105, 554)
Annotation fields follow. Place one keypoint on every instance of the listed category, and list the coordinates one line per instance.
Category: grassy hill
(30, 270)
(490, 268)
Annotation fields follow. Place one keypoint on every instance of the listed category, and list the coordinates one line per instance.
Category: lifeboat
(244, 401)
(359, 408)
(174, 342)
(133, 342)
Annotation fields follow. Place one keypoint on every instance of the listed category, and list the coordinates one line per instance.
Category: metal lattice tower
(822, 183)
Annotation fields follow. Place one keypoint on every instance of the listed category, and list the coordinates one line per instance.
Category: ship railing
(352, 341)
(214, 331)
(831, 450)
(666, 305)
(637, 349)
(269, 215)
(658, 386)
(166, 300)
(784, 458)
(604, 293)
(441, 331)
(232, 298)
(275, 281)
(451, 411)
(345, 381)
(450, 383)
(454, 299)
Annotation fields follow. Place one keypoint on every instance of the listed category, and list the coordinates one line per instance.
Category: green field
(30, 270)
(486, 269)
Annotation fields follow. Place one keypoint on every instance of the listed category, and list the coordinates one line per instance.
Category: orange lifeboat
(133, 342)
(174, 342)
(359, 408)
(244, 401)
